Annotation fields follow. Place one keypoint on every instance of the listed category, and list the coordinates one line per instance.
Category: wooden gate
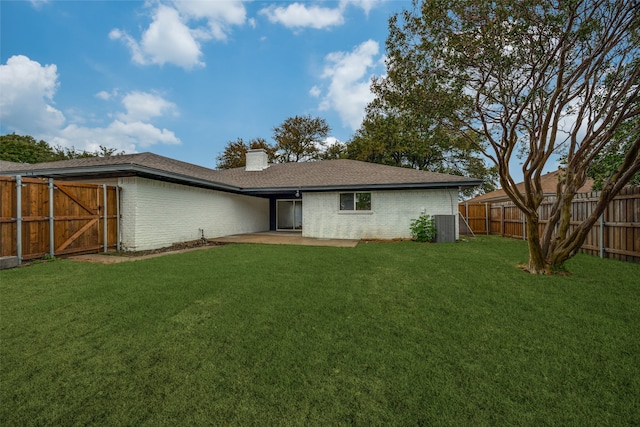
(40, 217)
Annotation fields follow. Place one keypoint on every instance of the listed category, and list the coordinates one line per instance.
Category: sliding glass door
(289, 214)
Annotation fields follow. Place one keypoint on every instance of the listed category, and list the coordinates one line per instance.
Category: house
(164, 201)
(548, 181)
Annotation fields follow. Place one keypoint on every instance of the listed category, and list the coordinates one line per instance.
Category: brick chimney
(257, 160)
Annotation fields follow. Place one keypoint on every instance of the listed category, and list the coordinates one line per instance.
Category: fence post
(524, 227)
(486, 217)
(104, 221)
(466, 212)
(19, 218)
(502, 220)
(601, 235)
(52, 243)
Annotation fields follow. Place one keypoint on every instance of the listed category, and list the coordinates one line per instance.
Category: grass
(383, 334)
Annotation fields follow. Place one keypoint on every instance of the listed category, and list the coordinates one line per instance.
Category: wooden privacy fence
(615, 235)
(43, 216)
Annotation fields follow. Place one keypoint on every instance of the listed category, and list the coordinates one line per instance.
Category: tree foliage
(528, 81)
(408, 140)
(403, 127)
(301, 138)
(333, 151)
(608, 161)
(25, 149)
(297, 139)
(235, 153)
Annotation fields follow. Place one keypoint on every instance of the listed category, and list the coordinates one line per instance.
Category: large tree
(528, 81)
(609, 160)
(301, 138)
(403, 139)
(25, 149)
(235, 153)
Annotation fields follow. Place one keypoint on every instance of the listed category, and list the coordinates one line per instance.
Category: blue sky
(181, 78)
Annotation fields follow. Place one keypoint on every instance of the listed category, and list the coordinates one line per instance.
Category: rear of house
(165, 201)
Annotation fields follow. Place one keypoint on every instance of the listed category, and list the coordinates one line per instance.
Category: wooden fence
(616, 235)
(43, 216)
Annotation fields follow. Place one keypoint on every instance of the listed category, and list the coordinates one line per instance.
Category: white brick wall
(157, 214)
(390, 216)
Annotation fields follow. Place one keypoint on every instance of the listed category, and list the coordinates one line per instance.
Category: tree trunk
(537, 261)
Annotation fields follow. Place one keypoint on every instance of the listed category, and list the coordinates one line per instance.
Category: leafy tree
(607, 162)
(398, 139)
(25, 149)
(235, 153)
(333, 151)
(271, 150)
(63, 153)
(301, 138)
(233, 156)
(528, 80)
(377, 141)
(104, 151)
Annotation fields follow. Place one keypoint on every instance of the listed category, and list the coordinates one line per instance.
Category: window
(355, 201)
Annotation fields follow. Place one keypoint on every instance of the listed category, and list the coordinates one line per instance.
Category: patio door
(289, 214)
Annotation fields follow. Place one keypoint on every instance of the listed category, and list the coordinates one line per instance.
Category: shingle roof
(147, 160)
(317, 175)
(335, 173)
(548, 181)
(5, 165)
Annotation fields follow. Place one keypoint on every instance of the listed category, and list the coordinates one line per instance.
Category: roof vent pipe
(257, 160)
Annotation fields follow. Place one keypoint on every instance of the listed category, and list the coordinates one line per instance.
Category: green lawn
(382, 334)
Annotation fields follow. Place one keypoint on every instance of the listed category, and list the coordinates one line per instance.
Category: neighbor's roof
(309, 176)
(548, 181)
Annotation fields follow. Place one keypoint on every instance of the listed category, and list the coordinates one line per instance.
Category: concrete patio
(266, 238)
(284, 238)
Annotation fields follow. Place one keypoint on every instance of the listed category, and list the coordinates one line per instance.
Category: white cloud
(176, 31)
(27, 95)
(301, 15)
(38, 3)
(128, 137)
(105, 96)
(365, 5)
(298, 15)
(349, 75)
(220, 15)
(26, 107)
(143, 106)
(167, 40)
(315, 91)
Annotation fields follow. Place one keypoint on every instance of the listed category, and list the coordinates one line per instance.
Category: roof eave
(129, 169)
(355, 187)
(145, 171)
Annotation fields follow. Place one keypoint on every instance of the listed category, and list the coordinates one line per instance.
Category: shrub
(423, 229)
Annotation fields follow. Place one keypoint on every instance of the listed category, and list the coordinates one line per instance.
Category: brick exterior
(178, 199)
(157, 214)
(390, 216)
